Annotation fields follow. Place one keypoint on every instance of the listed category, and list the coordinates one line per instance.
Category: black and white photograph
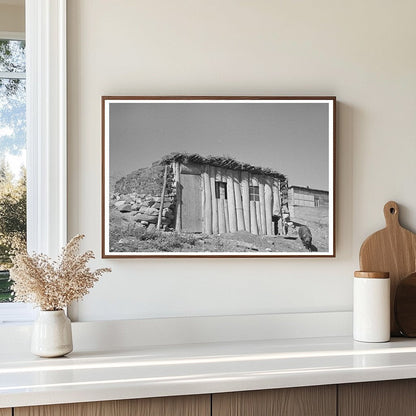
(218, 176)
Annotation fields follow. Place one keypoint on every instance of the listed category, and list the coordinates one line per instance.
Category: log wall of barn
(237, 211)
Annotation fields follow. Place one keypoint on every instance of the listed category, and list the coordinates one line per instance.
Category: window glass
(254, 193)
(12, 56)
(12, 156)
(220, 190)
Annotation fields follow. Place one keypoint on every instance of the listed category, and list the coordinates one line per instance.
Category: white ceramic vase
(52, 334)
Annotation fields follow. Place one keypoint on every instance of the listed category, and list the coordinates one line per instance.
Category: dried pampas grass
(53, 285)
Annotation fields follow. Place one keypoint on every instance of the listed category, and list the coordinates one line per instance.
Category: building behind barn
(300, 196)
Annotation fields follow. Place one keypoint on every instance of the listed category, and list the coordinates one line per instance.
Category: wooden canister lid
(372, 275)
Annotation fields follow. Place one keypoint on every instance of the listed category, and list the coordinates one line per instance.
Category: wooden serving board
(393, 250)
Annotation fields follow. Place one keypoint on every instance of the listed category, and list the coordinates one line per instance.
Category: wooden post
(178, 226)
(203, 202)
(221, 209)
(212, 173)
(268, 196)
(207, 204)
(255, 183)
(258, 217)
(276, 203)
(254, 208)
(162, 198)
(226, 214)
(231, 201)
(238, 201)
(282, 220)
(246, 200)
(262, 205)
(253, 218)
(276, 197)
(221, 216)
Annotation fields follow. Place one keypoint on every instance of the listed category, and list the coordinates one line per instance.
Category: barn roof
(306, 188)
(221, 162)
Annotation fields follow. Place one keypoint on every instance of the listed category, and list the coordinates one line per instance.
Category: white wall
(12, 18)
(361, 51)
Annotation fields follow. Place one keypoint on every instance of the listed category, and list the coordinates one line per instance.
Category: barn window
(254, 193)
(220, 190)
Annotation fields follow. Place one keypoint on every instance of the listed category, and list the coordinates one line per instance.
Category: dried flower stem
(53, 285)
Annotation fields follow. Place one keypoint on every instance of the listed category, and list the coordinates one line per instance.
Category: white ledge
(152, 371)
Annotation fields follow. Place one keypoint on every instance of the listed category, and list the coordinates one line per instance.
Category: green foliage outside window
(12, 224)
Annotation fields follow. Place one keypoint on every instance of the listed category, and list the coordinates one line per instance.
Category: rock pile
(144, 209)
(138, 196)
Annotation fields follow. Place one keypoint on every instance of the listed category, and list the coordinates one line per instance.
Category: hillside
(127, 236)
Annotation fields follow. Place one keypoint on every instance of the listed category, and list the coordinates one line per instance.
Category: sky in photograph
(291, 138)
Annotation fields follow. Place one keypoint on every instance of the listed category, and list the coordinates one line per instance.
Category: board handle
(391, 214)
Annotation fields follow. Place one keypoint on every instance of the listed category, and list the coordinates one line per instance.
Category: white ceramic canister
(371, 322)
(52, 334)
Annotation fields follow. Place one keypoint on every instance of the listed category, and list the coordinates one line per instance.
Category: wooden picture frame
(233, 176)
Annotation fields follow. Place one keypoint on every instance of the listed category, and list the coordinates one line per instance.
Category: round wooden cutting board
(393, 250)
(405, 306)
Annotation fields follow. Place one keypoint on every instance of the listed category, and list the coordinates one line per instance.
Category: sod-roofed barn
(212, 195)
(221, 195)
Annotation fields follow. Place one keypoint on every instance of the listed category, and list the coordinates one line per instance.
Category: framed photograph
(218, 176)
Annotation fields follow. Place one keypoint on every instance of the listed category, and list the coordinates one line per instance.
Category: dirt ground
(127, 236)
(317, 221)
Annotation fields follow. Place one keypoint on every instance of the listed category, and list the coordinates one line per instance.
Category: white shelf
(150, 371)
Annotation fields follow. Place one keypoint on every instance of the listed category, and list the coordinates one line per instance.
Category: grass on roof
(221, 162)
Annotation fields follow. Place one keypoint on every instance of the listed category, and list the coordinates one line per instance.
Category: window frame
(254, 193)
(220, 185)
(46, 137)
(46, 125)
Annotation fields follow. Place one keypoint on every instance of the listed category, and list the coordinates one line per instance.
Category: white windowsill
(16, 313)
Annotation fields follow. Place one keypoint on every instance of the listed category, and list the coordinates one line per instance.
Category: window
(12, 155)
(254, 193)
(46, 134)
(221, 190)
